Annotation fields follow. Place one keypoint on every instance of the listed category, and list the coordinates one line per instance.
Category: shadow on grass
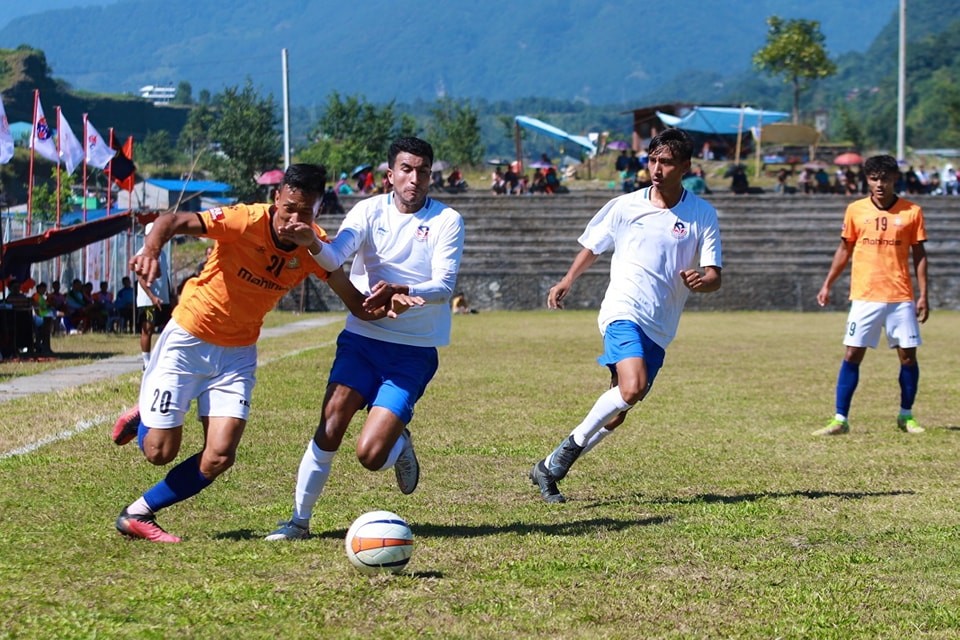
(426, 530)
(710, 498)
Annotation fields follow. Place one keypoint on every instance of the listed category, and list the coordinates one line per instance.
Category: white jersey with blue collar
(421, 250)
(651, 246)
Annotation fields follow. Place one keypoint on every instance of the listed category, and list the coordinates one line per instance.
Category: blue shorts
(623, 339)
(388, 375)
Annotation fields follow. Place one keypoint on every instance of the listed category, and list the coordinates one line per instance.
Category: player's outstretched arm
(583, 261)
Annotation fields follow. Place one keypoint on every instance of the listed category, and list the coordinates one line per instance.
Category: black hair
(310, 178)
(877, 165)
(411, 145)
(677, 140)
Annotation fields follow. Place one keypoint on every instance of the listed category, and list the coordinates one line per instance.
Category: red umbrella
(274, 176)
(848, 159)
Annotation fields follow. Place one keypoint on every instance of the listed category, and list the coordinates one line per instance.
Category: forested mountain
(598, 52)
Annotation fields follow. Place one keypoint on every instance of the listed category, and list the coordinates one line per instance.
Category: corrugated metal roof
(192, 186)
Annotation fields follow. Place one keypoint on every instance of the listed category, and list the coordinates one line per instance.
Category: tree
(45, 196)
(795, 50)
(156, 149)
(247, 132)
(184, 93)
(195, 135)
(850, 128)
(455, 132)
(352, 132)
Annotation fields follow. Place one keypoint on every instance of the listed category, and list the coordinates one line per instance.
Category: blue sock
(847, 382)
(142, 432)
(182, 482)
(909, 382)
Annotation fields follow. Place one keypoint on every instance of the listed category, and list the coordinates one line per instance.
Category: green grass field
(712, 513)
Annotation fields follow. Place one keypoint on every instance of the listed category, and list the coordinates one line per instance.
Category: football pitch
(711, 513)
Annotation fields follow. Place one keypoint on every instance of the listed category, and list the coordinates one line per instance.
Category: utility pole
(286, 110)
(902, 83)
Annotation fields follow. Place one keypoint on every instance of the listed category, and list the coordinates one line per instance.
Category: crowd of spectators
(40, 311)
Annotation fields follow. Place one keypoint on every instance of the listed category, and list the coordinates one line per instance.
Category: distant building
(159, 95)
(161, 195)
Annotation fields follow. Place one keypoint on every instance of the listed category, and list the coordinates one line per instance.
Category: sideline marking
(84, 425)
(80, 427)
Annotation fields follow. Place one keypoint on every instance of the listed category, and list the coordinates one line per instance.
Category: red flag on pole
(122, 169)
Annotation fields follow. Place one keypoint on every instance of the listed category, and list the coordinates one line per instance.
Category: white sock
(146, 358)
(604, 409)
(311, 478)
(595, 439)
(140, 508)
(394, 452)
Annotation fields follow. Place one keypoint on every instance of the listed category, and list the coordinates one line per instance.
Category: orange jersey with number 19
(244, 277)
(882, 240)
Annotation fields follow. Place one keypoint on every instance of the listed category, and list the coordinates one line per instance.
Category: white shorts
(184, 367)
(897, 319)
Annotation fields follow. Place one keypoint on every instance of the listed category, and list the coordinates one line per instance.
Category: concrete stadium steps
(777, 249)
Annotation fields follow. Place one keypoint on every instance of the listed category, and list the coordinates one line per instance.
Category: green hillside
(24, 70)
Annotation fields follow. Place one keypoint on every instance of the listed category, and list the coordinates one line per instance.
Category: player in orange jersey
(208, 349)
(880, 233)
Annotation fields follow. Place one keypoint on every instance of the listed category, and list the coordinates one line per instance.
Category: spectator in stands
(949, 180)
(102, 305)
(781, 186)
(78, 307)
(622, 162)
(552, 181)
(330, 203)
(125, 302)
(58, 303)
(44, 318)
(739, 183)
(512, 180)
(343, 187)
(22, 318)
(455, 180)
(539, 182)
(823, 181)
(497, 183)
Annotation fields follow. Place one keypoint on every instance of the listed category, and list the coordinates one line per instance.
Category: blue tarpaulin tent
(557, 134)
(722, 120)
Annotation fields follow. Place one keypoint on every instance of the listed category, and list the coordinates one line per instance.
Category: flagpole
(33, 138)
(84, 167)
(59, 132)
(110, 174)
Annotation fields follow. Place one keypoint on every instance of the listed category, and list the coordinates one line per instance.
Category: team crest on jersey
(294, 263)
(679, 230)
(217, 214)
(422, 232)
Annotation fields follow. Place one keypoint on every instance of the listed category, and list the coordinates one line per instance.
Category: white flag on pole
(70, 148)
(41, 138)
(6, 138)
(99, 154)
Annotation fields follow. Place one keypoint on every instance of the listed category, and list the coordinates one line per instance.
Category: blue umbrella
(360, 168)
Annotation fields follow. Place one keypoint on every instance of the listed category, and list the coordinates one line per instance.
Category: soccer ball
(379, 541)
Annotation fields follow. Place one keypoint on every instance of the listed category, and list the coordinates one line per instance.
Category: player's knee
(158, 455)
(371, 457)
(212, 464)
(632, 393)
